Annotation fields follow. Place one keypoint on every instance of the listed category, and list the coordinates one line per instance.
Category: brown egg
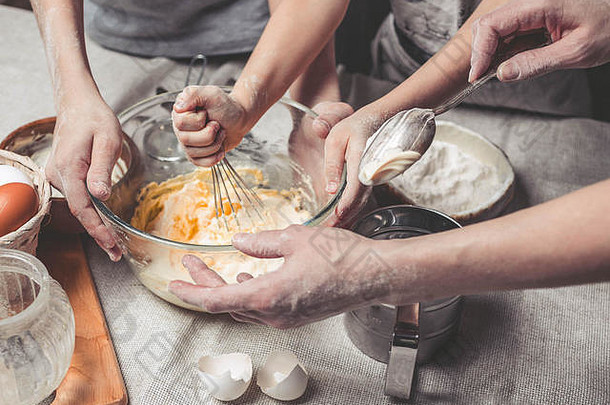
(18, 203)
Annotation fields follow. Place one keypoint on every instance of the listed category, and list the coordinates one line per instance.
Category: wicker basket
(26, 237)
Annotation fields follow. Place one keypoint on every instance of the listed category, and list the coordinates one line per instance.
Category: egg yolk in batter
(183, 208)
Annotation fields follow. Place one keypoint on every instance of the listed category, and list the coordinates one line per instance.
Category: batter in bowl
(182, 209)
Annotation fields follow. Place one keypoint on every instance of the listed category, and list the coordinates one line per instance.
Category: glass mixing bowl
(282, 145)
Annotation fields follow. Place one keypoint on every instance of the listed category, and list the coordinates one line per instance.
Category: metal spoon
(405, 137)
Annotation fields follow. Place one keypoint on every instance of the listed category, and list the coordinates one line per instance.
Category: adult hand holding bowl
(311, 284)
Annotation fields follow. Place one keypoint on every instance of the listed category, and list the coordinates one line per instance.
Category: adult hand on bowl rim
(340, 152)
(209, 122)
(344, 147)
(323, 274)
(82, 128)
(330, 113)
(308, 144)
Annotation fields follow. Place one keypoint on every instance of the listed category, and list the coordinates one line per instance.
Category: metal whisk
(223, 173)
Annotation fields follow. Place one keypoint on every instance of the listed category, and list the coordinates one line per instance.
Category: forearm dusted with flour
(61, 27)
(86, 130)
(445, 74)
(562, 242)
(319, 82)
(297, 32)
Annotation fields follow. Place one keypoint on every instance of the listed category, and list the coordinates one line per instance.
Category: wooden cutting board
(94, 377)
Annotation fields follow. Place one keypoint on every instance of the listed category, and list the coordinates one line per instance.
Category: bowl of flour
(462, 174)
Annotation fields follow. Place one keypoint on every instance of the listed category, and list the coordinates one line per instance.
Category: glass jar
(36, 330)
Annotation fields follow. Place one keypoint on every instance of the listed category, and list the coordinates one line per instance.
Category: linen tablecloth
(522, 347)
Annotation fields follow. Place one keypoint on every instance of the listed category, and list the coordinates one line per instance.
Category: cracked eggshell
(227, 376)
(283, 376)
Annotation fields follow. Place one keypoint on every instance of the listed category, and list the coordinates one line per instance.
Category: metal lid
(403, 221)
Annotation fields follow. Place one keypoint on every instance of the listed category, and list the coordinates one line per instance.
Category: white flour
(449, 180)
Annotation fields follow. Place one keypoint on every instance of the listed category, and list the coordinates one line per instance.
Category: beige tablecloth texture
(522, 347)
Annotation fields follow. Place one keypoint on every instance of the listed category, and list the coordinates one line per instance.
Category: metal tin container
(371, 328)
(380, 331)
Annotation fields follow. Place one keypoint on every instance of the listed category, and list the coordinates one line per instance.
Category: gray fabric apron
(177, 29)
(417, 29)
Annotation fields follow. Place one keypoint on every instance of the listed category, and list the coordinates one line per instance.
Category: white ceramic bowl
(476, 146)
